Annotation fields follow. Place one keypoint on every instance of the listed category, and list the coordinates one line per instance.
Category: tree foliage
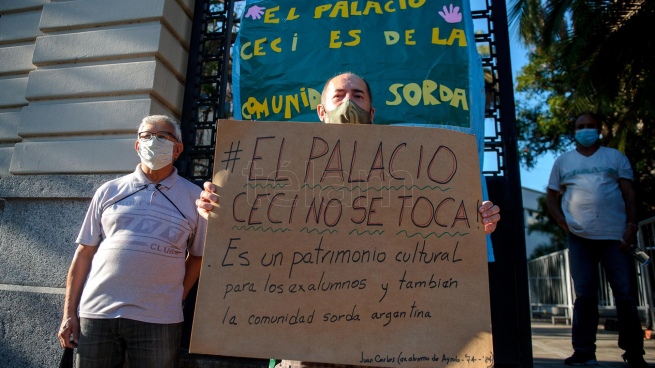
(589, 55)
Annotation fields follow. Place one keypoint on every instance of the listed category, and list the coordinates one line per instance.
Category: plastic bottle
(640, 255)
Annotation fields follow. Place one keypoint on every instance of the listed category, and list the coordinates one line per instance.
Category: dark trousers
(585, 255)
(104, 342)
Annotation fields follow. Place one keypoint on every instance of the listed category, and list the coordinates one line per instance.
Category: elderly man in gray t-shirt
(140, 251)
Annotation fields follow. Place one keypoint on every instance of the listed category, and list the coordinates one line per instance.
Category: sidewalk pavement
(551, 344)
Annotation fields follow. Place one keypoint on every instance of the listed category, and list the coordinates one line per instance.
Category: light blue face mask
(586, 137)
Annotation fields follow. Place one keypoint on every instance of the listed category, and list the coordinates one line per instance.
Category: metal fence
(551, 287)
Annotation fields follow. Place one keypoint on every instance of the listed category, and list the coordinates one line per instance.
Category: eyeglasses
(161, 135)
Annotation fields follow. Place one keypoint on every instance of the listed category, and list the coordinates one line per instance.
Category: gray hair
(152, 119)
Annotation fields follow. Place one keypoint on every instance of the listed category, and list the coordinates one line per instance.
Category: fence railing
(551, 286)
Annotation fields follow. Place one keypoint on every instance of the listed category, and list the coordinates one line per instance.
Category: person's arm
(630, 199)
(192, 266)
(77, 275)
(490, 216)
(555, 208)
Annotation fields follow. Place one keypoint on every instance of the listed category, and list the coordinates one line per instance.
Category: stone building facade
(76, 77)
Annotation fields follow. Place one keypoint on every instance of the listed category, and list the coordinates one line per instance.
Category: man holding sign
(346, 99)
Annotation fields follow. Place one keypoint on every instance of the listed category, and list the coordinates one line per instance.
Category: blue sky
(537, 177)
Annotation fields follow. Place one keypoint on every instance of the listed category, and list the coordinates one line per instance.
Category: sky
(537, 177)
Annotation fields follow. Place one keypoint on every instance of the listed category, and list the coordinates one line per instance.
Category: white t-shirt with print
(592, 200)
(143, 237)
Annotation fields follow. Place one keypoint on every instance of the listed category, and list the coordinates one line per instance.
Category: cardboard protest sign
(349, 244)
(419, 57)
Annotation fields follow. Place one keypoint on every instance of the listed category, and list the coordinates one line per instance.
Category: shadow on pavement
(551, 344)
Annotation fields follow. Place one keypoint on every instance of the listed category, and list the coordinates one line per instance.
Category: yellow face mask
(348, 113)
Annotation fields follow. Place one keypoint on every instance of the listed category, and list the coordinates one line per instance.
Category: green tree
(595, 56)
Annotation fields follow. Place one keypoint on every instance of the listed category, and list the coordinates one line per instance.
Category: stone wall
(76, 77)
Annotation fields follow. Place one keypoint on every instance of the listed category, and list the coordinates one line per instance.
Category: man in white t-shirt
(597, 210)
(140, 251)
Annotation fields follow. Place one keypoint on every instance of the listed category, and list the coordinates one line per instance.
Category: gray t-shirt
(592, 200)
(143, 237)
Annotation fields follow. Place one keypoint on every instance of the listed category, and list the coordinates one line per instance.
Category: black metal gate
(208, 98)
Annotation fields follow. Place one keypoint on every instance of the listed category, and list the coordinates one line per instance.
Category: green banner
(418, 56)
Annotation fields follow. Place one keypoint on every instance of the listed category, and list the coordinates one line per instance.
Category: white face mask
(156, 153)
